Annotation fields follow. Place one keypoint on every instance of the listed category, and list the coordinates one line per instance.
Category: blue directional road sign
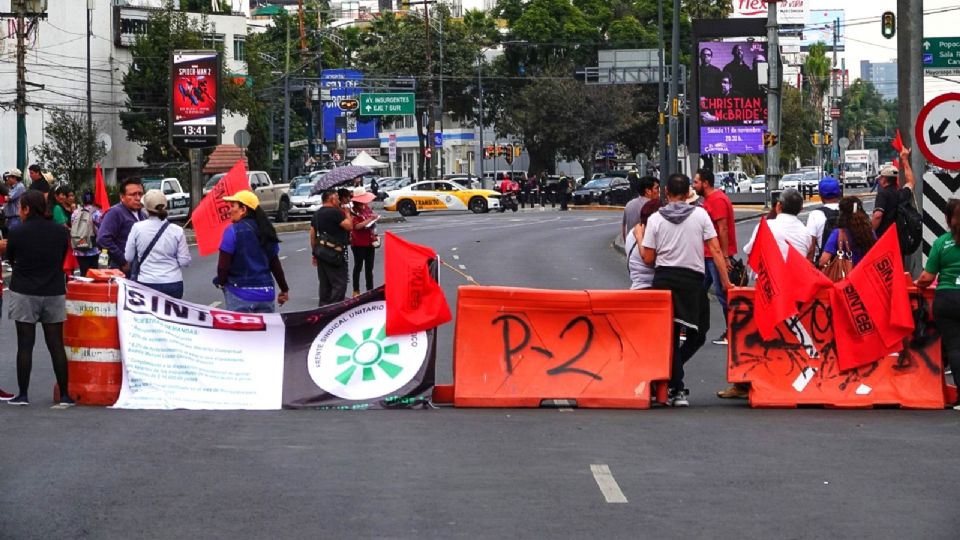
(438, 138)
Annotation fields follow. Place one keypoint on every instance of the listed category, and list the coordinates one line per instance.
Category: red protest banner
(212, 216)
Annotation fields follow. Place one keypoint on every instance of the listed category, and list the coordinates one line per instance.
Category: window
(239, 48)
(214, 41)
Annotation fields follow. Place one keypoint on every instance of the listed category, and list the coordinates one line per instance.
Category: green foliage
(816, 74)
(147, 82)
(64, 147)
(799, 122)
(863, 113)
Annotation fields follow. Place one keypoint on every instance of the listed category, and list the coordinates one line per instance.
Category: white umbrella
(365, 160)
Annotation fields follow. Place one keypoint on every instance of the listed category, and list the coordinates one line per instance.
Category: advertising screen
(194, 111)
(732, 106)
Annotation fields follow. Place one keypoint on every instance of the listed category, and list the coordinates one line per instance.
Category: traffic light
(888, 24)
(816, 138)
(488, 152)
(404, 5)
(508, 155)
(516, 150)
(499, 150)
(826, 139)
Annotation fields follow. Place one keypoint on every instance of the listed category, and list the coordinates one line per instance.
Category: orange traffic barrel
(92, 340)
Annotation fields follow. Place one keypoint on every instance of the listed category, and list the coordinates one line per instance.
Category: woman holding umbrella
(363, 237)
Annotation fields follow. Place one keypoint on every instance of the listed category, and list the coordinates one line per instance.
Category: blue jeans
(170, 289)
(712, 277)
(235, 303)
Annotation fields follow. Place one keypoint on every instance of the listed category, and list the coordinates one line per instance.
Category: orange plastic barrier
(518, 347)
(799, 367)
(92, 340)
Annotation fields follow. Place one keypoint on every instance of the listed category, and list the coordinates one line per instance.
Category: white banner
(180, 355)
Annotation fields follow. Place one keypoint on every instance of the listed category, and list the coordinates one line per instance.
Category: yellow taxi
(440, 195)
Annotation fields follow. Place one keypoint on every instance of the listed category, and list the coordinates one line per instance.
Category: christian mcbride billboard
(732, 106)
(194, 95)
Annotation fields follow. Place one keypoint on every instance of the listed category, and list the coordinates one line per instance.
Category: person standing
(84, 223)
(943, 265)
(648, 188)
(330, 227)
(641, 274)
(116, 224)
(362, 236)
(37, 292)
(11, 209)
(38, 180)
(720, 210)
(709, 74)
(159, 247)
(891, 193)
(822, 221)
(742, 76)
(4, 395)
(673, 243)
(63, 202)
(787, 229)
(852, 235)
(249, 258)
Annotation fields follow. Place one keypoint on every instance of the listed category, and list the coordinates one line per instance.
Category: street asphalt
(716, 470)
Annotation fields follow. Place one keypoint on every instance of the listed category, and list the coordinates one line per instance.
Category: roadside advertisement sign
(194, 109)
(732, 106)
(788, 11)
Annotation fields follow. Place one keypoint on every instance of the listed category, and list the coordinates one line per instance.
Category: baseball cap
(154, 200)
(245, 197)
(829, 188)
(889, 170)
(13, 172)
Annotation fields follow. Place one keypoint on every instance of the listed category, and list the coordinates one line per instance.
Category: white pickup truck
(274, 198)
(178, 200)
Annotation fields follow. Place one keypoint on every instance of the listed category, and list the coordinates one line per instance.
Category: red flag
(807, 280)
(897, 142)
(69, 261)
(212, 216)
(415, 300)
(871, 308)
(100, 197)
(773, 302)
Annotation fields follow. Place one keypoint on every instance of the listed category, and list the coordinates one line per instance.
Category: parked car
(811, 180)
(732, 181)
(274, 198)
(464, 181)
(178, 200)
(608, 190)
(302, 201)
(791, 181)
(388, 183)
(440, 195)
(298, 181)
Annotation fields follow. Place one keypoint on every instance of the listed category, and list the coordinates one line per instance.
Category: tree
(795, 144)
(147, 83)
(863, 113)
(64, 149)
(816, 72)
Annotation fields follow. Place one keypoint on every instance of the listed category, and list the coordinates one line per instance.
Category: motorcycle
(508, 201)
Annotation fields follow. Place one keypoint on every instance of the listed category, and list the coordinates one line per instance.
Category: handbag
(840, 266)
(327, 250)
(737, 272)
(138, 261)
(376, 241)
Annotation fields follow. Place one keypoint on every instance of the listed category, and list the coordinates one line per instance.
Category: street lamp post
(480, 157)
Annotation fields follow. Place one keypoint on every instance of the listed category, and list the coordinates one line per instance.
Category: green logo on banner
(353, 358)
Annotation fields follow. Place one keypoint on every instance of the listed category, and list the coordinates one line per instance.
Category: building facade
(883, 76)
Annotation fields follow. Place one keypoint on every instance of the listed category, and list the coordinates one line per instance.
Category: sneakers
(65, 403)
(20, 399)
(734, 392)
(722, 340)
(678, 398)
(5, 396)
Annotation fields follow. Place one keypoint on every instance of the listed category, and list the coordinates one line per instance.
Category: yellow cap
(245, 197)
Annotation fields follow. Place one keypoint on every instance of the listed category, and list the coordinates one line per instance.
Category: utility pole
(834, 102)
(480, 156)
(773, 96)
(428, 129)
(21, 88)
(674, 100)
(89, 89)
(286, 110)
(441, 155)
(910, 96)
(661, 108)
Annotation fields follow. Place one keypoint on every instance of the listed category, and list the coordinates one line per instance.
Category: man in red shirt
(718, 206)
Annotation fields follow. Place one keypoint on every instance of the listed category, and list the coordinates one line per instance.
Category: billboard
(194, 109)
(819, 27)
(732, 106)
(789, 12)
(345, 84)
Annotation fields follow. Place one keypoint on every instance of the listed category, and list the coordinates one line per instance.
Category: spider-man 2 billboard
(194, 96)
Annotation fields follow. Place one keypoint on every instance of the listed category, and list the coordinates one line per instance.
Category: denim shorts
(28, 308)
(234, 303)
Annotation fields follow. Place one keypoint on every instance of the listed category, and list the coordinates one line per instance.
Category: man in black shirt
(38, 181)
(329, 229)
(891, 193)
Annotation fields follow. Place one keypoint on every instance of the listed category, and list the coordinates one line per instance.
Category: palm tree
(816, 70)
(863, 112)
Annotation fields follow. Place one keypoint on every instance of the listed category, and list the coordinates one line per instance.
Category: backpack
(82, 233)
(909, 225)
(833, 216)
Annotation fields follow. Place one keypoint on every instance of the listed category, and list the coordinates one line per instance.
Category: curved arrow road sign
(938, 131)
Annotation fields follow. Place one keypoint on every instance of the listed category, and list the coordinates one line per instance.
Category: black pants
(333, 282)
(564, 200)
(946, 313)
(26, 337)
(363, 259)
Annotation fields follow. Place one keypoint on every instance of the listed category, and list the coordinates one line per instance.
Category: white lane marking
(591, 219)
(453, 249)
(456, 257)
(462, 266)
(215, 303)
(565, 409)
(301, 249)
(607, 483)
(283, 258)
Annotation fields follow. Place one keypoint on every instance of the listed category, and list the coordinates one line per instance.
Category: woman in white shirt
(157, 249)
